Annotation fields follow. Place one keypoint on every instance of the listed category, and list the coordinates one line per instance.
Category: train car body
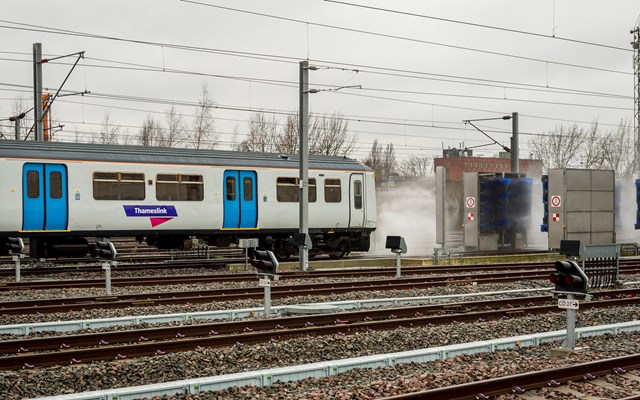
(57, 193)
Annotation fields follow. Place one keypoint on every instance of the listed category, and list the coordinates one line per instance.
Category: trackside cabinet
(580, 205)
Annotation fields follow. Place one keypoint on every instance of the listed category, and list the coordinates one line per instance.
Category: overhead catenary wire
(477, 82)
(474, 24)
(39, 28)
(281, 112)
(405, 38)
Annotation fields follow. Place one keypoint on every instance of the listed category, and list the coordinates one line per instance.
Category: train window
(55, 185)
(288, 190)
(118, 186)
(33, 184)
(231, 188)
(176, 187)
(312, 190)
(248, 188)
(332, 191)
(357, 194)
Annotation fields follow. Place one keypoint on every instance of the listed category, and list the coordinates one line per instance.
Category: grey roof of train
(163, 155)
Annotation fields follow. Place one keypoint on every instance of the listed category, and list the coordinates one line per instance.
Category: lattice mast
(636, 91)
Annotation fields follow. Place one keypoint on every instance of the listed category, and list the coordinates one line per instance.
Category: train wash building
(480, 204)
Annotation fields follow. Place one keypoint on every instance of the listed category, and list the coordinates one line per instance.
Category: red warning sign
(556, 201)
(470, 217)
(556, 217)
(471, 202)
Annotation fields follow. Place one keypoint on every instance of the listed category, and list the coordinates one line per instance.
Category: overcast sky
(420, 76)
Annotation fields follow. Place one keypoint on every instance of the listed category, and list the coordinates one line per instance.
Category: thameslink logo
(158, 214)
(150, 211)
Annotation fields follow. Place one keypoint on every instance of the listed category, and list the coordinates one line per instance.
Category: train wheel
(341, 250)
(282, 250)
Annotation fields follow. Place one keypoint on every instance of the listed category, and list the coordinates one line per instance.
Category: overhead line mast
(636, 92)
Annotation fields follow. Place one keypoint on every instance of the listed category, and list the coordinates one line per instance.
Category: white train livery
(58, 194)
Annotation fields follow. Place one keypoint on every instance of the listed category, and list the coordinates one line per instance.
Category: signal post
(15, 246)
(266, 265)
(570, 281)
(106, 250)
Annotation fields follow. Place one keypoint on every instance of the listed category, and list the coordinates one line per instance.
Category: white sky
(416, 123)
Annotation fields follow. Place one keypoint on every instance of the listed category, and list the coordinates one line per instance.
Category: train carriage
(56, 194)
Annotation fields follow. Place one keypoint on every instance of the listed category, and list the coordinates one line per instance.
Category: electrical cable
(479, 25)
(404, 38)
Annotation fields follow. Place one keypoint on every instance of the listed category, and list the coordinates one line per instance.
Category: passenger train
(58, 194)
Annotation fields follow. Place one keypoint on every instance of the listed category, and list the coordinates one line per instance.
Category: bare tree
(593, 148)
(417, 166)
(559, 148)
(108, 133)
(288, 140)
(150, 133)
(572, 146)
(262, 133)
(174, 133)
(329, 135)
(389, 161)
(620, 152)
(374, 159)
(203, 133)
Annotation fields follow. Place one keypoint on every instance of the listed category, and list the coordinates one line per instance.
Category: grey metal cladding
(160, 155)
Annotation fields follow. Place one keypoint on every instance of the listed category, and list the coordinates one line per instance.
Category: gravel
(357, 384)
(361, 384)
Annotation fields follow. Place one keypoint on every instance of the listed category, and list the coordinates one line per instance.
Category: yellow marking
(13, 190)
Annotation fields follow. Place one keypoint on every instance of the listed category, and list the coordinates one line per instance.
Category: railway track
(235, 277)
(216, 264)
(35, 306)
(548, 379)
(627, 268)
(77, 348)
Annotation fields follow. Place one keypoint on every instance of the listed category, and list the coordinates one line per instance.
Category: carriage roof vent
(284, 156)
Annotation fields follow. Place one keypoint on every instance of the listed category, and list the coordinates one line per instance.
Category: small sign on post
(267, 268)
(247, 244)
(568, 304)
(570, 281)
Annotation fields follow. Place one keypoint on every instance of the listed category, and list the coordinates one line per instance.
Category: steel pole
(267, 299)
(17, 121)
(107, 275)
(515, 158)
(398, 266)
(304, 161)
(37, 91)
(16, 258)
(571, 325)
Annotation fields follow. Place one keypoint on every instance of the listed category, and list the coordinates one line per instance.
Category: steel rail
(204, 296)
(179, 279)
(530, 380)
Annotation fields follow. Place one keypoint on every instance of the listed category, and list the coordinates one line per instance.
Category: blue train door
(356, 201)
(44, 197)
(240, 199)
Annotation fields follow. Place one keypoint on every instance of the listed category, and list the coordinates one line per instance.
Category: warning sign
(555, 217)
(470, 217)
(556, 201)
(471, 202)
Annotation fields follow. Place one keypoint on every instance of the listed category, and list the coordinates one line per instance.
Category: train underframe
(336, 244)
